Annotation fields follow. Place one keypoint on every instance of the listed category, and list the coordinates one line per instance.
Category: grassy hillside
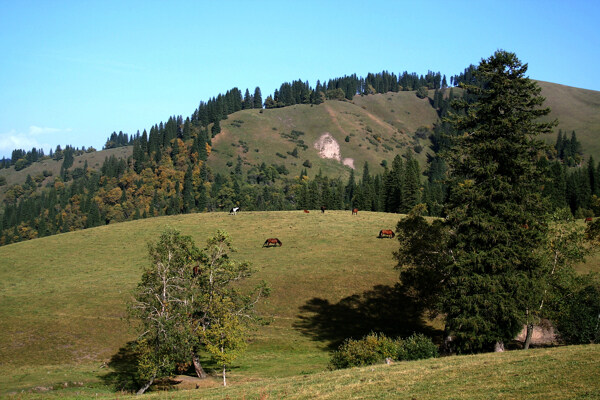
(62, 303)
(559, 373)
(578, 110)
(378, 127)
(63, 297)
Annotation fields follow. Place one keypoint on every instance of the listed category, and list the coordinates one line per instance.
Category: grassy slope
(560, 373)
(393, 117)
(63, 297)
(578, 110)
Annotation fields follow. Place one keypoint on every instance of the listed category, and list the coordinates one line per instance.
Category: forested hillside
(370, 143)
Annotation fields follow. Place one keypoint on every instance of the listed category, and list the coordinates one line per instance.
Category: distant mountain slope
(376, 127)
(576, 109)
(369, 128)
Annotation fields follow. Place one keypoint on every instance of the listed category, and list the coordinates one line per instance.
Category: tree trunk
(198, 367)
(146, 386)
(499, 347)
(528, 337)
(224, 379)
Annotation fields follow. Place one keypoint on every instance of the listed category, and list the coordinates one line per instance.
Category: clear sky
(72, 72)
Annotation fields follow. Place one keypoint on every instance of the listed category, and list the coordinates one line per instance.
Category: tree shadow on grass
(386, 309)
(123, 374)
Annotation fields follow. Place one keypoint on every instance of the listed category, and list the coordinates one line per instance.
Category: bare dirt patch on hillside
(328, 147)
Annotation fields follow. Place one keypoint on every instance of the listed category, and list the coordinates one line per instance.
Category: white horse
(234, 211)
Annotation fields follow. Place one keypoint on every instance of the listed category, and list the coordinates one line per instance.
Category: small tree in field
(187, 302)
(221, 310)
(224, 337)
(162, 302)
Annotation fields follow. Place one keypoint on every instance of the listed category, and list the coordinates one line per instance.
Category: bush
(417, 347)
(422, 92)
(307, 164)
(579, 321)
(375, 348)
(371, 349)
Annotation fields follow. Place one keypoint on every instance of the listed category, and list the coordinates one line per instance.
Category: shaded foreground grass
(555, 373)
(552, 373)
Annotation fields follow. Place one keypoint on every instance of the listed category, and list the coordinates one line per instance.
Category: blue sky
(72, 72)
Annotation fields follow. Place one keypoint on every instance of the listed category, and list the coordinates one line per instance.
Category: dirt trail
(378, 121)
(334, 118)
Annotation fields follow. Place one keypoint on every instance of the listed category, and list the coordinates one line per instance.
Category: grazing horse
(589, 219)
(272, 242)
(323, 209)
(234, 211)
(355, 211)
(386, 233)
(306, 211)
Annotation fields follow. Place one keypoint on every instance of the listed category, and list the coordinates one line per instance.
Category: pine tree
(257, 98)
(411, 185)
(495, 184)
(189, 201)
(559, 146)
(492, 272)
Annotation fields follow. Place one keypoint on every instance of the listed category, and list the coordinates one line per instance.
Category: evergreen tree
(257, 98)
(555, 188)
(592, 173)
(489, 269)
(189, 201)
(411, 185)
(559, 146)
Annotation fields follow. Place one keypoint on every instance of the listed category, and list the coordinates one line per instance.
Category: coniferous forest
(168, 174)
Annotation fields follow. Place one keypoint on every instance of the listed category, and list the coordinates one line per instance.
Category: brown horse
(386, 233)
(355, 211)
(589, 219)
(272, 242)
(306, 211)
(323, 208)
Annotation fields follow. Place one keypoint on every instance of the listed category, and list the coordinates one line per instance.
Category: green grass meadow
(63, 297)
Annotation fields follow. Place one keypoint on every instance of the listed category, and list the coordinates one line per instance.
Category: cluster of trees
(345, 88)
(568, 150)
(499, 259)
(118, 140)
(578, 189)
(21, 159)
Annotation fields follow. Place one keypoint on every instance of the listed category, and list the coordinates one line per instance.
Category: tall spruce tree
(495, 209)
(492, 272)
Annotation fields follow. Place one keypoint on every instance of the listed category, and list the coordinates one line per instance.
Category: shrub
(417, 347)
(307, 164)
(371, 349)
(579, 321)
(422, 92)
(375, 348)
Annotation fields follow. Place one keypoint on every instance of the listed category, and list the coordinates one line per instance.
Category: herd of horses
(384, 233)
(275, 242)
